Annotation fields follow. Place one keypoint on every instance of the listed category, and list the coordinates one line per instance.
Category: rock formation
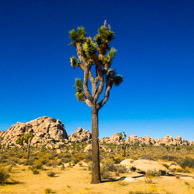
(46, 131)
(81, 135)
(144, 165)
(51, 133)
(115, 139)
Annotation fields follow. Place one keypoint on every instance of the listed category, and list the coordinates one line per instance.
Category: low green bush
(186, 162)
(51, 173)
(4, 175)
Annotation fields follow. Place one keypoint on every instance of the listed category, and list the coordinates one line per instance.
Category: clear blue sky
(155, 43)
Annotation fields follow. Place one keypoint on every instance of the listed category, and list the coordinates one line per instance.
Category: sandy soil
(77, 180)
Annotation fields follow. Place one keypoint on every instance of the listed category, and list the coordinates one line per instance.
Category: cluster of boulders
(168, 140)
(81, 135)
(51, 133)
(46, 130)
(144, 166)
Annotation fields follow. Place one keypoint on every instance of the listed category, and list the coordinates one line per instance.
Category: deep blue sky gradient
(155, 43)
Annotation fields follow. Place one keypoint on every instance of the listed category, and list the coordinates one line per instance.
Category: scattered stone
(129, 179)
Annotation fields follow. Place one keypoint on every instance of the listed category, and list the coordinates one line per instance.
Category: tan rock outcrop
(144, 165)
(81, 135)
(46, 130)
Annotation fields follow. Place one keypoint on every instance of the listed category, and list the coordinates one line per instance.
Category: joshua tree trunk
(95, 148)
(28, 151)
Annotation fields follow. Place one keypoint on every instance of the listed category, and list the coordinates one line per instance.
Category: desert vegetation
(73, 162)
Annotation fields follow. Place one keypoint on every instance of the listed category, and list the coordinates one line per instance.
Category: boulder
(81, 135)
(144, 165)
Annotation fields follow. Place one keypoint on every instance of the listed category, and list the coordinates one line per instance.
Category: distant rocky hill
(168, 140)
(51, 133)
(46, 130)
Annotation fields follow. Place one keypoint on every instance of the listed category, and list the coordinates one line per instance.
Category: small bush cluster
(51, 174)
(4, 175)
(186, 162)
(151, 173)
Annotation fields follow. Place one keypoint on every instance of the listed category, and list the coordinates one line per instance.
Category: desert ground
(70, 170)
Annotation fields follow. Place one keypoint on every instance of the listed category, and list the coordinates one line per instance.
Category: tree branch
(106, 96)
(90, 74)
(80, 54)
(85, 82)
(87, 102)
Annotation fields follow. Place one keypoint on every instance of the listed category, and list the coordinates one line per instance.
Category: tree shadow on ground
(14, 182)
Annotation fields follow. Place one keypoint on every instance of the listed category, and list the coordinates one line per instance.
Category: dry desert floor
(77, 180)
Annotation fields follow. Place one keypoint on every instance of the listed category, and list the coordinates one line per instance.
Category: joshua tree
(124, 145)
(94, 58)
(26, 139)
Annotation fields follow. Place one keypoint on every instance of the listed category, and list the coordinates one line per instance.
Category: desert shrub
(151, 173)
(88, 156)
(37, 164)
(35, 171)
(27, 162)
(147, 157)
(186, 162)
(121, 169)
(4, 175)
(59, 162)
(179, 170)
(48, 190)
(148, 180)
(105, 174)
(117, 160)
(65, 160)
(75, 161)
(169, 158)
(51, 173)
(79, 163)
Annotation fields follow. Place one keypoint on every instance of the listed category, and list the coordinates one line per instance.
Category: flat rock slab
(129, 179)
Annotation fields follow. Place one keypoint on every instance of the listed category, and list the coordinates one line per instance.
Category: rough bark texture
(28, 151)
(95, 148)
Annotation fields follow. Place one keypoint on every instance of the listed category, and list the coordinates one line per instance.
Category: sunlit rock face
(46, 130)
(81, 135)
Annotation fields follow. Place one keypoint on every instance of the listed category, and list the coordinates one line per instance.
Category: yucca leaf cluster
(79, 89)
(108, 58)
(74, 62)
(103, 38)
(89, 48)
(113, 78)
(77, 36)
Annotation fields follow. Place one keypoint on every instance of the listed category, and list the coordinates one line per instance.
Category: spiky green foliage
(28, 137)
(103, 38)
(79, 89)
(20, 140)
(109, 57)
(78, 36)
(89, 48)
(74, 62)
(118, 80)
(111, 74)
